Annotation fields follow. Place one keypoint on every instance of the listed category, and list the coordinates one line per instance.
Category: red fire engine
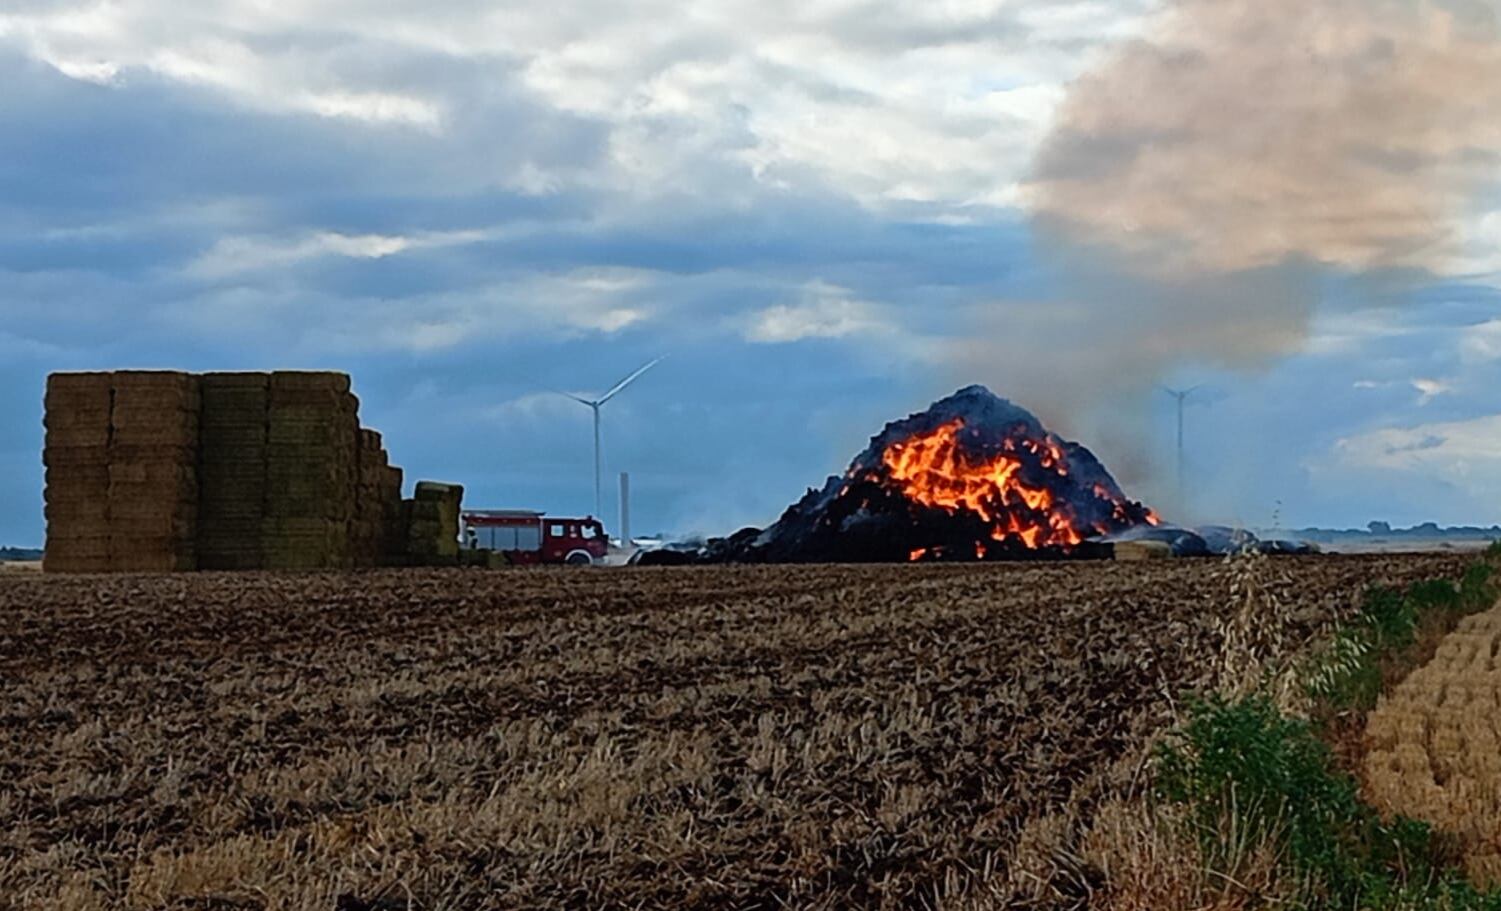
(528, 537)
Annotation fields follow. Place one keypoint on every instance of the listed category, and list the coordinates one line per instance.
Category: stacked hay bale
(433, 523)
(311, 467)
(232, 469)
(76, 456)
(393, 545)
(378, 493)
(163, 471)
(153, 472)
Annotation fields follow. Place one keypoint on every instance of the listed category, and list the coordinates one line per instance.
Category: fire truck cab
(528, 537)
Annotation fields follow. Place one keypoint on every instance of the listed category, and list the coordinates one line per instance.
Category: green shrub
(1241, 766)
(1249, 775)
(1477, 589)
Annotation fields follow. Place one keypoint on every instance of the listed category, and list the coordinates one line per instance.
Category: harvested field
(751, 737)
(1434, 744)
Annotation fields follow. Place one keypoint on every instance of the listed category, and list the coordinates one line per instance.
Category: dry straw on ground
(1434, 744)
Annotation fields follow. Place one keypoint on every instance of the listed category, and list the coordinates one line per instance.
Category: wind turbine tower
(594, 405)
(1182, 396)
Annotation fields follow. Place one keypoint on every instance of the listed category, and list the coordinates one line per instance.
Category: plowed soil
(753, 737)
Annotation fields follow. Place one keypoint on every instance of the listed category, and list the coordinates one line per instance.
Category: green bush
(1477, 589)
(1241, 766)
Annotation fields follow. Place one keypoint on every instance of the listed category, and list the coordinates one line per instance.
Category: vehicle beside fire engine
(526, 537)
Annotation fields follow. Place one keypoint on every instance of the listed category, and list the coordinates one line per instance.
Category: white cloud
(892, 103)
(236, 255)
(1429, 389)
(825, 311)
(1465, 453)
(1342, 332)
(1482, 342)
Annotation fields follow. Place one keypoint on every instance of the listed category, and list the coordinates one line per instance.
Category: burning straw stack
(153, 472)
(312, 438)
(232, 469)
(433, 523)
(77, 460)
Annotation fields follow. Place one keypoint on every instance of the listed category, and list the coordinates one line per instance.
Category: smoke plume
(1202, 185)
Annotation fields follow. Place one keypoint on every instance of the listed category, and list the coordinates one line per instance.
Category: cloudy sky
(826, 213)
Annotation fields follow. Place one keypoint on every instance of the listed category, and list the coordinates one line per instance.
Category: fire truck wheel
(579, 558)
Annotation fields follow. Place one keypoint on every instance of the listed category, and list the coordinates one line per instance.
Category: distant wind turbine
(594, 405)
(1182, 396)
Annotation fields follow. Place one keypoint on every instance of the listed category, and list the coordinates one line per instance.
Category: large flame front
(1023, 491)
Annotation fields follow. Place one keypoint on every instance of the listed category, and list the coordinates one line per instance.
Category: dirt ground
(751, 737)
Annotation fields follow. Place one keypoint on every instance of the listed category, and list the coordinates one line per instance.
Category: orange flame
(933, 469)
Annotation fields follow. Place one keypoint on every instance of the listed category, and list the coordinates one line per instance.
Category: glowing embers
(1022, 487)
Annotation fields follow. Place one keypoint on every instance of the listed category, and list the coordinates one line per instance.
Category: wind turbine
(1181, 395)
(594, 405)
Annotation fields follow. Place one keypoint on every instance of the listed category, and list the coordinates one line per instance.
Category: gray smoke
(1201, 184)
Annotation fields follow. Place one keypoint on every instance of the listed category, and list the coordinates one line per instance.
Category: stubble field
(755, 737)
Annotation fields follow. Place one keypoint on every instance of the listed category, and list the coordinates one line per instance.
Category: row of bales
(161, 471)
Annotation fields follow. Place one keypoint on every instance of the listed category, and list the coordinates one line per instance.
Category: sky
(825, 214)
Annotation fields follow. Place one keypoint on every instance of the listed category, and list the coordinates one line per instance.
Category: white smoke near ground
(1202, 185)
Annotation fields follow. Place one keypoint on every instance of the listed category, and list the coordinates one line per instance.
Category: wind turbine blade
(569, 395)
(628, 380)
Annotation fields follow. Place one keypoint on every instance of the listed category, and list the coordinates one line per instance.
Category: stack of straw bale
(161, 471)
(232, 470)
(377, 499)
(153, 472)
(76, 455)
(312, 436)
(432, 523)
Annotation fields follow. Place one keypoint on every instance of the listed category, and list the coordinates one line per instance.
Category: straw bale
(78, 383)
(84, 476)
(283, 381)
(135, 556)
(303, 527)
(370, 440)
(179, 437)
(81, 433)
(212, 514)
(175, 526)
(82, 513)
(231, 470)
(62, 561)
(75, 456)
(231, 532)
(74, 418)
(244, 560)
(220, 381)
(331, 475)
(312, 437)
(175, 453)
(146, 390)
(154, 380)
(156, 421)
(438, 492)
(164, 472)
(149, 499)
(225, 441)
